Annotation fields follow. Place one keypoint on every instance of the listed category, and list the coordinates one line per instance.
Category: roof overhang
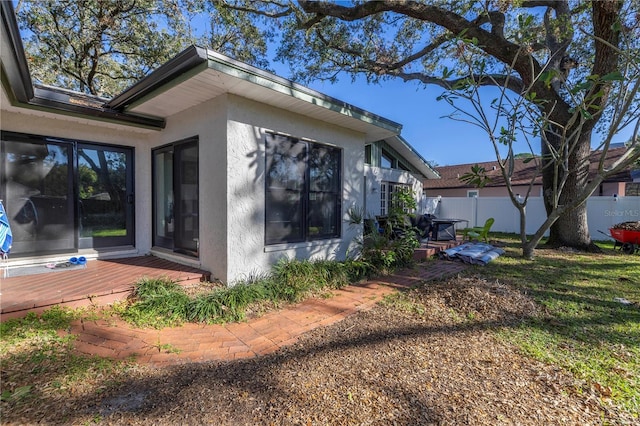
(194, 76)
(15, 72)
(21, 92)
(197, 75)
(409, 153)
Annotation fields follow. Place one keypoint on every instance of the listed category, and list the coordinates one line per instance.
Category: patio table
(445, 229)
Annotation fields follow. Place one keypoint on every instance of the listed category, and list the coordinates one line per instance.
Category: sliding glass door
(175, 197)
(61, 195)
(105, 178)
(38, 195)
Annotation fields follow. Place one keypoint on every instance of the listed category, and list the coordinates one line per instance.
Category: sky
(439, 139)
(425, 126)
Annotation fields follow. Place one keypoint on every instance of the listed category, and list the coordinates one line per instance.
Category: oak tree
(101, 47)
(572, 61)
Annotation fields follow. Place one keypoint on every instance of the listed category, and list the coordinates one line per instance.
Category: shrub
(385, 252)
(157, 302)
(224, 305)
(160, 302)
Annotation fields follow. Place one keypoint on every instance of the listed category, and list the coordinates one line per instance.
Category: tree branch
(285, 12)
(498, 80)
(491, 43)
(537, 3)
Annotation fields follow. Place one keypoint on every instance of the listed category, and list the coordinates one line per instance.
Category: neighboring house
(207, 161)
(450, 185)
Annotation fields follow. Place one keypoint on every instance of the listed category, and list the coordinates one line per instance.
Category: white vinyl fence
(602, 212)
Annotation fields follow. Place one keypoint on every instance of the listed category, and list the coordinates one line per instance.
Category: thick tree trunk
(571, 228)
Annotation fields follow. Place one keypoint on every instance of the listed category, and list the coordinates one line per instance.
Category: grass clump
(39, 363)
(591, 324)
(157, 302)
(160, 303)
(33, 326)
(225, 305)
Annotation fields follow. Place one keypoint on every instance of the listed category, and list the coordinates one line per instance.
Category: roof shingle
(522, 174)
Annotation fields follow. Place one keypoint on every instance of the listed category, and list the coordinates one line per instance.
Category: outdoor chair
(479, 232)
(424, 226)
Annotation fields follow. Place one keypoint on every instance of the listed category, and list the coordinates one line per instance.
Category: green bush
(160, 302)
(385, 252)
(225, 305)
(157, 302)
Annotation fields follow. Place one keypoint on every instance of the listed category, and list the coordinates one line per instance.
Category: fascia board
(15, 71)
(278, 84)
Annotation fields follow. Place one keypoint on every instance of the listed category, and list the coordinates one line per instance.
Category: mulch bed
(430, 358)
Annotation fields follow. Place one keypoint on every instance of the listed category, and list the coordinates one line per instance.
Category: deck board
(78, 286)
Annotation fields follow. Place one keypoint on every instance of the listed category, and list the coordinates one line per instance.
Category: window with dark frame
(303, 190)
(386, 160)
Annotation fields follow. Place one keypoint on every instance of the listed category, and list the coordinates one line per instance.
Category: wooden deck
(106, 281)
(101, 282)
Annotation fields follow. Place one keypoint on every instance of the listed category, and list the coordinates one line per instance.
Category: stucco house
(207, 161)
(392, 164)
(449, 185)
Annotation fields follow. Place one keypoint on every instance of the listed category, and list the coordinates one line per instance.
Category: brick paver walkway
(260, 336)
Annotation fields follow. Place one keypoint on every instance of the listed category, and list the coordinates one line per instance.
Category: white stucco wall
(207, 121)
(246, 128)
(376, 175)
(231, 132)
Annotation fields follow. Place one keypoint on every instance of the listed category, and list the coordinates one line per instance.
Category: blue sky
(435, 137)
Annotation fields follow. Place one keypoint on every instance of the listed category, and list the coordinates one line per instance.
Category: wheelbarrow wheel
(628, 248)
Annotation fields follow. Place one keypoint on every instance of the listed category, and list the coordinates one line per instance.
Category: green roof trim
(271, 81)
(190, 61)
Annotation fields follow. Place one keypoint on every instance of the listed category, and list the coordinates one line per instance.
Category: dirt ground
(428, 357)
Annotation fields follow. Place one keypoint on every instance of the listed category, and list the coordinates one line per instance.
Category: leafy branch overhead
(102, 47)
(564, 69)
(476, 177)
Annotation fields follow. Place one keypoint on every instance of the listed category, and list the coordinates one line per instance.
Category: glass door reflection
(38, 190)
(105, 181)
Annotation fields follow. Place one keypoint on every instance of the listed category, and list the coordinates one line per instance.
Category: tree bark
(571, 228)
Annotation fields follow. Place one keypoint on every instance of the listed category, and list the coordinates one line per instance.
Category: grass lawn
(592, 321)
(587, 328)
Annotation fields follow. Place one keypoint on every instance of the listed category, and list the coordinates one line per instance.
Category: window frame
(384, 198)
(395, 187)
(305, 192)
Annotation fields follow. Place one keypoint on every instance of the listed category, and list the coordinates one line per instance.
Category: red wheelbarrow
(627, 236)
(629, 240)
